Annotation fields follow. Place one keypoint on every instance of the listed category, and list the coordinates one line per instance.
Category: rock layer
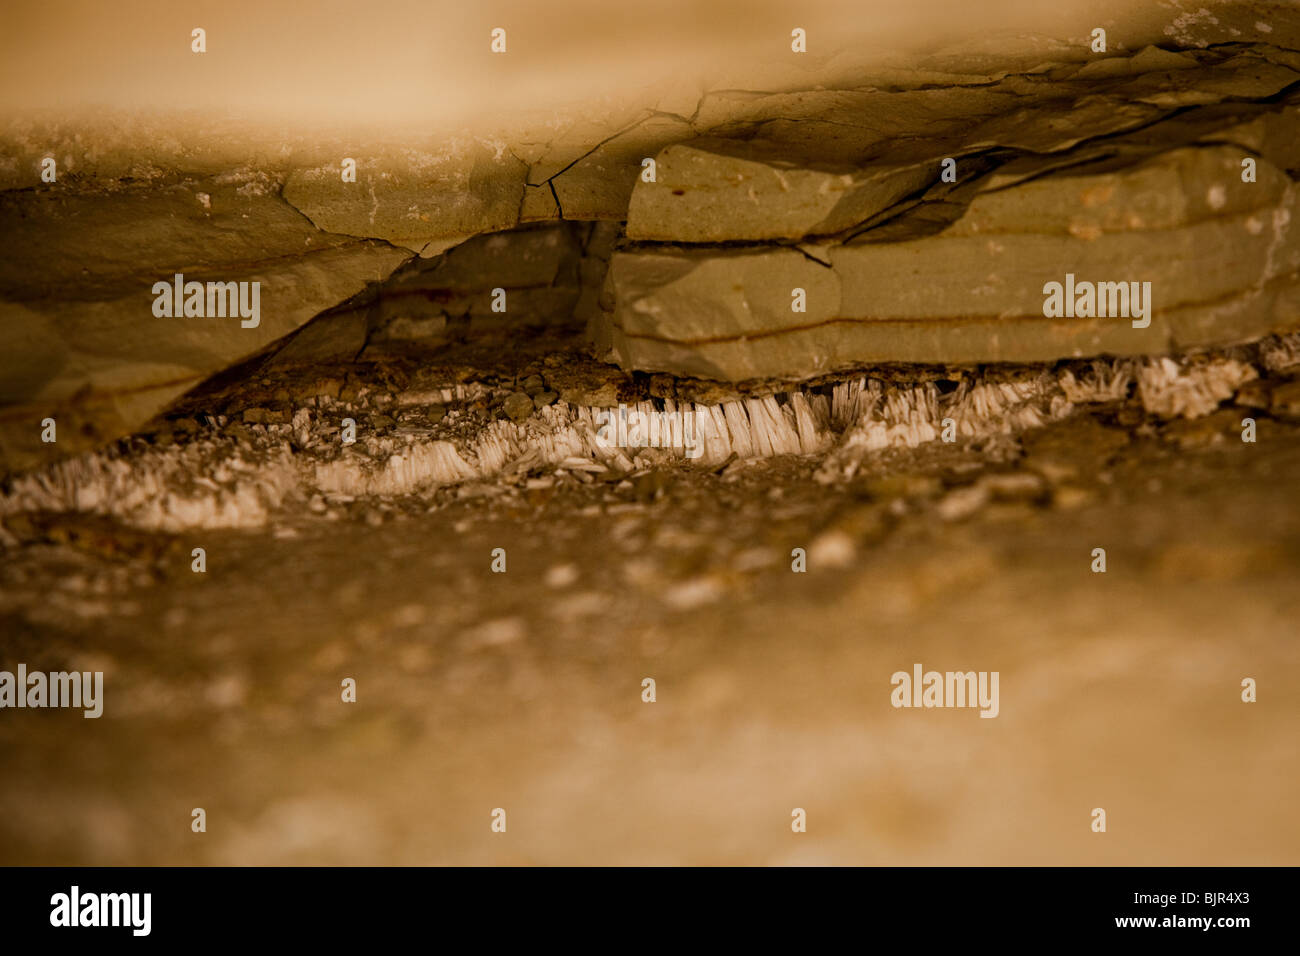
(823, 174)
(79, 338)
(1129, 169)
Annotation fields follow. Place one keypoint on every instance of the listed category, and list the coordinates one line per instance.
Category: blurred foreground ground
(523, 690)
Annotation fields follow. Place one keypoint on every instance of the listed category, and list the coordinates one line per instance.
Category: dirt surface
(522, 690)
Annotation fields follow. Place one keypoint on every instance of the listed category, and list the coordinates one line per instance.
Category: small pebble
(518, 406)
(832, 549)
(562, 575)
(963, 502)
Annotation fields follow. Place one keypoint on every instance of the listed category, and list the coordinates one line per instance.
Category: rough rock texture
(714, 190)
(822, 174)
(1222, 260)
(79, 340)
(515, 283)
(1123, 169)
(439, 202)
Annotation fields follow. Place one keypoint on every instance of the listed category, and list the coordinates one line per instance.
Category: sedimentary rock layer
(1221, 256)
(920, 203)
(1173, 169)
(81, 340)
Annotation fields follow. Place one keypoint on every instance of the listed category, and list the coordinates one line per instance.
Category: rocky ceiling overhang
(815, 216)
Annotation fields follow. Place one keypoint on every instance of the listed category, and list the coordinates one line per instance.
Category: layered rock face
(817, 238)
(84, 338)
(787, 220)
